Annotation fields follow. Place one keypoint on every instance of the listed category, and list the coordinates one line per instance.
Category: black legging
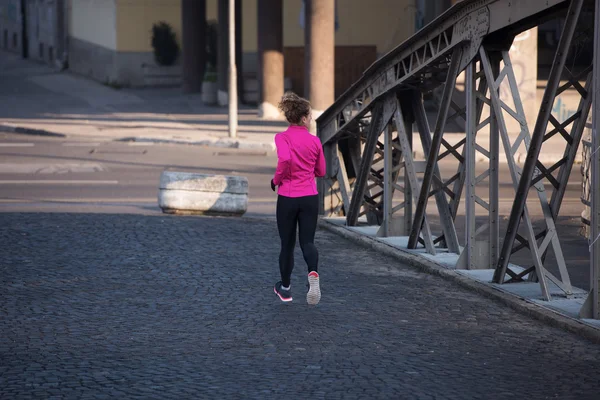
(303, 212)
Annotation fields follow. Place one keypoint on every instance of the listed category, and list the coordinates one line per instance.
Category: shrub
(164, 43)
(212, 35)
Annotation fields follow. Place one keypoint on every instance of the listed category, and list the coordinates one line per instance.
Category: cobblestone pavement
(163, 307)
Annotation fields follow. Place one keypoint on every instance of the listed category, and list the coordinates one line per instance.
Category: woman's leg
(307, 221)
(287, 219)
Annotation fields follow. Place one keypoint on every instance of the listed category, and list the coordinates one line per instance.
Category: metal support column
(595, 214)
(467, 257)
(591, 307)
(388, 180)
(408, 191)
(493, 180)
(482, 242)
(529, 169)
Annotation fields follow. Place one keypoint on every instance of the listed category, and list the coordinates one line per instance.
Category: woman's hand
(272, 185)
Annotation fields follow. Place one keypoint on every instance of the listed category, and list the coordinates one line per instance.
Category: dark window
(41, 51)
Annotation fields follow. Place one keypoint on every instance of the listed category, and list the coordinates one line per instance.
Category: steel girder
(530, 239)
(367, 139)
(595, 215)
(420, 61)
(482, 242)
(591, 307)
(534, 171)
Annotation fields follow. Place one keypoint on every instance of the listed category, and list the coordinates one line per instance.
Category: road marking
(56, 182)
(17, 144)
(38, 168)
(140, 143)
(80, 144)
(15, 201)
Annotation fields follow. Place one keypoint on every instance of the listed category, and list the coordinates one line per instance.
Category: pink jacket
(300, 160)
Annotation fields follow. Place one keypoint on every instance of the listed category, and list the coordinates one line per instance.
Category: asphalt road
(48, 174)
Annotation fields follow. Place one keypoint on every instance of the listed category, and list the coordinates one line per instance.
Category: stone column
(61, 31)
(239, 50)
(193, 38)
(319, 53)
(223, 51)
(270, 57)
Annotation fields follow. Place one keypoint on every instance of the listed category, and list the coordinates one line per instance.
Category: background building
(110, 40)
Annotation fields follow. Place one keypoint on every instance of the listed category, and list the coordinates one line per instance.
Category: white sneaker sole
(314, 293)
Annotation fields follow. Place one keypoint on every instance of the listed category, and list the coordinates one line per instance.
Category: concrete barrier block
(172, 180)
(203, 194)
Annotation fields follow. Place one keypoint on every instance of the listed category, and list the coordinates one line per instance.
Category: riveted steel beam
(482, 242)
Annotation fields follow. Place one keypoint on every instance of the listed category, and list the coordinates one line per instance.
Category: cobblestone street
(132, 306)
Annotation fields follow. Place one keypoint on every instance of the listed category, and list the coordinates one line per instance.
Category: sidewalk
(37, 99)
(525, 297)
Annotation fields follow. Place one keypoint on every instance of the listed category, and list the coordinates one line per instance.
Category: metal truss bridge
(367, 139)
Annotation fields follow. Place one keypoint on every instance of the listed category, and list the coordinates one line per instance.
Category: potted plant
(209, 85)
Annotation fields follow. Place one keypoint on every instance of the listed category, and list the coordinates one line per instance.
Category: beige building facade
(110, 40)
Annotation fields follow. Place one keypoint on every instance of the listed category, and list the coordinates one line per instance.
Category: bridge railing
(367, 134)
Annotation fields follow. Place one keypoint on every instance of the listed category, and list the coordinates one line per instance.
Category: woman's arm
(320, 166)
(283, 159)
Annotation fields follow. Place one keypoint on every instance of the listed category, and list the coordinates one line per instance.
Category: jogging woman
(300, 160)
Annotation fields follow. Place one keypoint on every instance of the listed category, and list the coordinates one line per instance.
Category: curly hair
(294, 107)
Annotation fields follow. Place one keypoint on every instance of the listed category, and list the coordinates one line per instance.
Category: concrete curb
(218, 143)
(29, 131)
(514, 302)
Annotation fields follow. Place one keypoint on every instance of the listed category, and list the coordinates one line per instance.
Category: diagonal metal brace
(380, 116)
(434, 150)
(537, 139)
